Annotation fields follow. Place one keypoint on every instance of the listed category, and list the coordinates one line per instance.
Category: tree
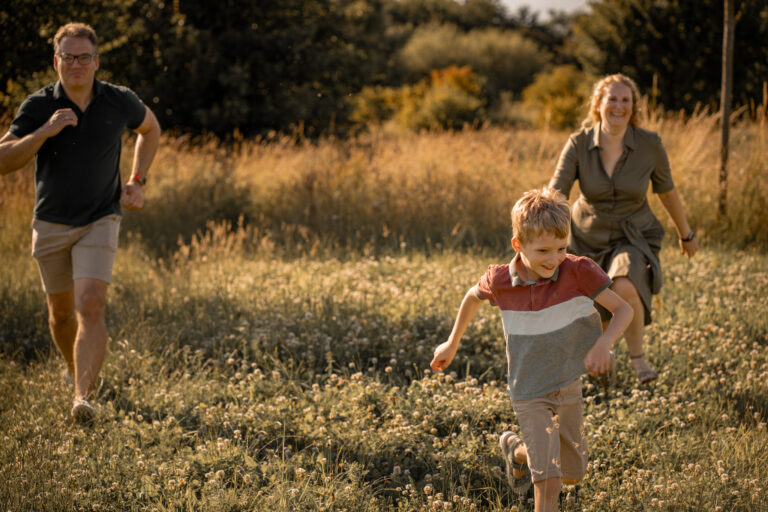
(680, 41)
(725, 103)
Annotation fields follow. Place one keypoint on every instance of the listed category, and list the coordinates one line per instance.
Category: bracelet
(138, 178)
(689, 237)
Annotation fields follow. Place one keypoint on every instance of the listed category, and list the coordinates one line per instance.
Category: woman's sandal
(522, 484)
(644, 376)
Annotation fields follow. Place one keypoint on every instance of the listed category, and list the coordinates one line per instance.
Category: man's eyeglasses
(83, 58)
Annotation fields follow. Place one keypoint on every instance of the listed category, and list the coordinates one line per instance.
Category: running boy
(553, 334)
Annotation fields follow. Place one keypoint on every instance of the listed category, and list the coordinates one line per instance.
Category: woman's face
(616, 106)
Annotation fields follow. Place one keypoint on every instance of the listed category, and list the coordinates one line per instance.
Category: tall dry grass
(392, 192)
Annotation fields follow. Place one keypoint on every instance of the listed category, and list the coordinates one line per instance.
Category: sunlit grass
(277, 359)
(250, 382)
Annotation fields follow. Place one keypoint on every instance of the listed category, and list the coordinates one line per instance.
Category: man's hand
(132, 196)
(59, 120)
(444, 354)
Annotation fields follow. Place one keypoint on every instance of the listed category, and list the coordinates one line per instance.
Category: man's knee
(61, 309)
(91, 302)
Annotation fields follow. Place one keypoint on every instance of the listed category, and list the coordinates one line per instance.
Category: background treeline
(327, 66)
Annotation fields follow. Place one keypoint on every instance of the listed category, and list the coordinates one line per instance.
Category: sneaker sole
(83, 414)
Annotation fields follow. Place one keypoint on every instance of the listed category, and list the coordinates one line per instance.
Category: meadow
(274, 309)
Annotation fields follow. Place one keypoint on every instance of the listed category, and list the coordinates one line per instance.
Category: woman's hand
(690, 247)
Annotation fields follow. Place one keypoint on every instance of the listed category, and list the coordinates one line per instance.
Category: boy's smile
(540, 256)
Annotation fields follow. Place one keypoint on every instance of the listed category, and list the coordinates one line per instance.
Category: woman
(612, 223)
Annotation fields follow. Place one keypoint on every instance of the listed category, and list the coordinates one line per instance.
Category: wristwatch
(689, 237)
(138, 178)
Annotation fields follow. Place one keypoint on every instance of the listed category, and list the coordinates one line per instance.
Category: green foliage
(467, 14)
(505, 59)
(250, 66)
(450, 98)
(678, 41)
(560, 96)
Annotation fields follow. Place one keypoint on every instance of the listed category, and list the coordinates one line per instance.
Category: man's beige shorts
(552, 428)
(65, 253)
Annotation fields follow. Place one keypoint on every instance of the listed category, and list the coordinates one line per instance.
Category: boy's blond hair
(541, 210)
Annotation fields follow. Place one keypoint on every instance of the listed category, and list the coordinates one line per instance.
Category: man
(74, 127)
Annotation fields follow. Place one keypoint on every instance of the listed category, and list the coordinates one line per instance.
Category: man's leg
(90, 346)
(61, 320)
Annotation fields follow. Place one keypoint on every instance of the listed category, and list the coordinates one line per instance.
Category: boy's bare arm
(445, 352)
(598, 359)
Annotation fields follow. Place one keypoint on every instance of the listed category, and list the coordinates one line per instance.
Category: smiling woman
(614, 161)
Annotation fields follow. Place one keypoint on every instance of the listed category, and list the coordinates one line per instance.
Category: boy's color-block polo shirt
(549, 325)
(77, 172)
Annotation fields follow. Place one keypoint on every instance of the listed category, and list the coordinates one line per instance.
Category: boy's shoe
(83, 412)
(508, 442)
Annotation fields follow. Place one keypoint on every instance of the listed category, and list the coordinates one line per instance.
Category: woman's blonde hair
(538, 211)
(598, 91)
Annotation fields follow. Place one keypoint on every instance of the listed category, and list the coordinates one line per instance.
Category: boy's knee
(548, 487)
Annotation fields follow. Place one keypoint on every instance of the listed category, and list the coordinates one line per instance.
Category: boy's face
(541, 255)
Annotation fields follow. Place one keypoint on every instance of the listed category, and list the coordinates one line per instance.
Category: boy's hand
(598, 359)
(444, 354)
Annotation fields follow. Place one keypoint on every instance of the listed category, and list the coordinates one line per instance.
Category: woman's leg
(634, 334)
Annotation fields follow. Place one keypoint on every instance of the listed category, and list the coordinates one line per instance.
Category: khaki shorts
(65, 253)
(552, 427)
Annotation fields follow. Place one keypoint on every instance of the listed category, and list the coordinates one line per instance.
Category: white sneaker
(83, 412)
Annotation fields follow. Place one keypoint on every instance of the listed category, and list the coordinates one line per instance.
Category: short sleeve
(134, 108)
(29, 117)
(591, 278)
(484, 288)
(661, 177)
(566, 169)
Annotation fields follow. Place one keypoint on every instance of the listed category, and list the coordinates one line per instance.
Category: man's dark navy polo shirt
(77, 172)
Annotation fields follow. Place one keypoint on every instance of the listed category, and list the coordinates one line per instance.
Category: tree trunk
(725, 103)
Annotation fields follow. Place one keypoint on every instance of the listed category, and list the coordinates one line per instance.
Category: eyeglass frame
(73, 58)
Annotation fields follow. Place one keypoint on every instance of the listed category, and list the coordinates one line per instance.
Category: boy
(553, 333)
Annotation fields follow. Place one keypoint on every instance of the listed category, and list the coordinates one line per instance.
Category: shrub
(453, 99)
(505, 59)
(559, 96)
(449, 98)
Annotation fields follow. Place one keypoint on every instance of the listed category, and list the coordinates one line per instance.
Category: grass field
(281, 363)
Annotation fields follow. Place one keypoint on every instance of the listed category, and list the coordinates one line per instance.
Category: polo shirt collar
(629, 137)
(60, 94)
(517, 280)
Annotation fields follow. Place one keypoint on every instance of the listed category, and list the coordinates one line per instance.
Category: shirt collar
(60, 94)
(629, 137)
(517, 280)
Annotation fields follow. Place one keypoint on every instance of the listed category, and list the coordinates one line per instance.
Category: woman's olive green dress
(612, 222)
